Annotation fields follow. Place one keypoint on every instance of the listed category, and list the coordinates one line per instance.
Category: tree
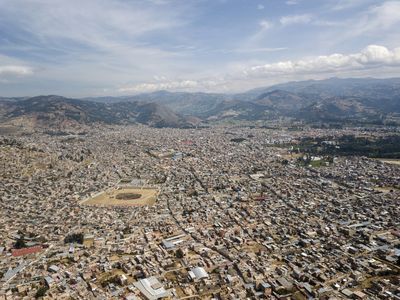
(41, 292)
(74, 238)
(20, 243)
(179, 253)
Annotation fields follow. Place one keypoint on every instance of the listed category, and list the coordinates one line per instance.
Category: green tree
(179, 253)
(41, 292)
(20, 243)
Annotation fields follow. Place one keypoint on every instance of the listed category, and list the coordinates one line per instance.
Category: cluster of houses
(235, 218)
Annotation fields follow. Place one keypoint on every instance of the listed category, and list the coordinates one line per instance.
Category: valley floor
(238, 214)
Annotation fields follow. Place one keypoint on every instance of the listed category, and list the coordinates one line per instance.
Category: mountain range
(60, 112)
(365, 100)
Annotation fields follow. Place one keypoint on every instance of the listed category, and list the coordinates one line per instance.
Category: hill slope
(334, 99)
(365, 100)
(57, 111)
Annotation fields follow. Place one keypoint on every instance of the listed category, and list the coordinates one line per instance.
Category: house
(151, 288)
(197, 273)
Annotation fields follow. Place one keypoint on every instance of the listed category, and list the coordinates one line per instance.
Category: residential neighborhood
(235, 217)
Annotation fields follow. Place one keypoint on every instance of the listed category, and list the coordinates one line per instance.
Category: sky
(81, 48)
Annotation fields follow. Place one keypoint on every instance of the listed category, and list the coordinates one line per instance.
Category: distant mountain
(238, 110)
(180, 102)
(365, 100)
(12, 98)
(60, 112)
(340, 110)
(334, 99)
(358, 100)
(282, 101)
(339, 87)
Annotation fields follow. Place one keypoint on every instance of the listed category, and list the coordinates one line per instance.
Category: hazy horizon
(202, 92)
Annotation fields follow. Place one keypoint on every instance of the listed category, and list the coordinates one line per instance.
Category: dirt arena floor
(109, 197)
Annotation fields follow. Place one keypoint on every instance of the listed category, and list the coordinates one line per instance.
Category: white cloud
(90, 21)
(376, 24)
(91, 44)
(204, 84)
(378, 55)
(260, 7)
(15, 70)
(376, 20)
(265, 25)
(264, 28)
(251, 50)
(295, 19)
(347, 4)
(106, 33)
(383, 16)
(155, 86)
(371, 57)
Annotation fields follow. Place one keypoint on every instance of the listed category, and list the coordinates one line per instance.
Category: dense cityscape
(199, 149)
(237, 214)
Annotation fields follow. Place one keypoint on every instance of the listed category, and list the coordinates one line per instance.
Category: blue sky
(119, 47)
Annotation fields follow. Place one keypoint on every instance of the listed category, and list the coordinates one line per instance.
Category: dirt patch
(386, 189)
(124, 196)
(128, 196)
(391, 161)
